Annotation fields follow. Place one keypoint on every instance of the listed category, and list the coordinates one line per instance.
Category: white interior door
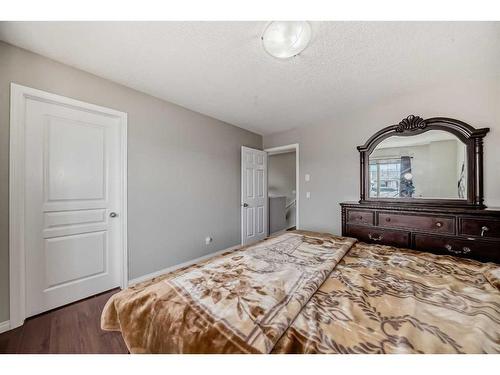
(254, 201)
(73, 194)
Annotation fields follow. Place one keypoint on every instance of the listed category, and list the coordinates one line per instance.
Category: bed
(307, 292)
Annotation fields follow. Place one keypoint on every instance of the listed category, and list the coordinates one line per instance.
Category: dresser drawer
(477, 249)
(380, 236)
(417, 222)
(480, 227)
(359, 217)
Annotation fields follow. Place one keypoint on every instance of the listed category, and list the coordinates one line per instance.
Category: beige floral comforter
(381, 299)
(304, 292)
(238, 302)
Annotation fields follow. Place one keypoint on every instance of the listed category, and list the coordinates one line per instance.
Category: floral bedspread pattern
(381, 299)
(239, 302)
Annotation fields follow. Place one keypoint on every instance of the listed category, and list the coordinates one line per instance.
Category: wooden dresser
(470, 233)
(423, 199)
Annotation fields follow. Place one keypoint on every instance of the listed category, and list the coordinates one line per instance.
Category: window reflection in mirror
(428, 165)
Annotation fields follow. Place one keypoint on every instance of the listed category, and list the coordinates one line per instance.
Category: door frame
(17, 255)
(281, 150)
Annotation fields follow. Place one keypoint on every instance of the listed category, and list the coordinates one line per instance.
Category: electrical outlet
(208, 240)
(308, 194)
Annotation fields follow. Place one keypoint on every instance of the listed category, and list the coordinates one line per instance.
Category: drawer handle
(439, 224)
(373, 238)
(484, 229)
(464, 250)
(360, 217)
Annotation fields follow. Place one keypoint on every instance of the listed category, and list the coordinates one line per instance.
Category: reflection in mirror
(428, 165)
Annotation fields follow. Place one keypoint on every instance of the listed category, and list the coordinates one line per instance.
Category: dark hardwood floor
(73, 328)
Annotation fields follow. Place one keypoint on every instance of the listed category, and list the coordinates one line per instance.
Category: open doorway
(283, 173)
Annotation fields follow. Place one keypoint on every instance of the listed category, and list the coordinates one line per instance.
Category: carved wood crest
(411, 123)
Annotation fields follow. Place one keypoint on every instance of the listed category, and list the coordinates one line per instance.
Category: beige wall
(328, 150)
(183, 167)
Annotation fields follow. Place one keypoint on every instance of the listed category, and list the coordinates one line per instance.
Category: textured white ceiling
(220, 68)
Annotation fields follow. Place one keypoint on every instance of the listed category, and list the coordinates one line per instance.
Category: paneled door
(254, 200)
(74, 240)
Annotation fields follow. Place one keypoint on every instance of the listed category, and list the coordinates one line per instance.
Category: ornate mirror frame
(413, 125)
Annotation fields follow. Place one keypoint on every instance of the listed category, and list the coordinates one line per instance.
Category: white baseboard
(4, 326)
(177, 266)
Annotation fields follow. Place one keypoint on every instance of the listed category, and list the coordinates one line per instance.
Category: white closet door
(73, 192)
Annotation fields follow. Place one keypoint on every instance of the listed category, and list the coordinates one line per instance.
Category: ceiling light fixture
(284, 39)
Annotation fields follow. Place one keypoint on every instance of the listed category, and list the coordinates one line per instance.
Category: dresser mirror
(426, 165)
(424, 161)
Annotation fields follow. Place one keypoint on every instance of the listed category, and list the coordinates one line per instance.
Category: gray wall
(328, 150)
(183, 167)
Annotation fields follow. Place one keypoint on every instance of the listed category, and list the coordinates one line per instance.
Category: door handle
(378, 237)
(484, 229)
(113, 214)
(464, 250)
(245, 204)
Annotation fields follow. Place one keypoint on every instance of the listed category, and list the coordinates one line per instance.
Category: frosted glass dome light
(284, 39)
